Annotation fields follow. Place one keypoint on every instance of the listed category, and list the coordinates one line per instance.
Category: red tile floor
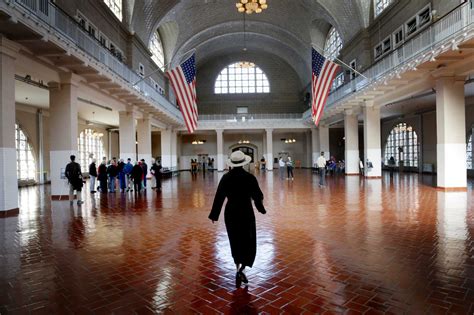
(357, 246)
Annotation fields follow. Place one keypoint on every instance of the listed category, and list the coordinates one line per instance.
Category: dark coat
(137, 173)
(92, 169)
(74, 175)
(239, 187)
(102, 172)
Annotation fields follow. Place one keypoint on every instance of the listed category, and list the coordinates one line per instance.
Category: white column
(166, 136)
(315, 147)
(220, 150)
(40, 130)
(174, 149)
(324, 141)
(351, 134)
(63, 127)
(451, 133)
(127, 135)
(372, 146)
(8, 176)
(144, 139)
(269, 157)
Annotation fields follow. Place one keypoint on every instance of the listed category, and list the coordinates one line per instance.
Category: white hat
(238, 158)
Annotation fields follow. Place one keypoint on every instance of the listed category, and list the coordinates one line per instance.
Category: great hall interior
(390, 231)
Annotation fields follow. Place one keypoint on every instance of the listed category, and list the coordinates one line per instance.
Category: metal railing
(249, 117)
(455, 22)
(57, 19)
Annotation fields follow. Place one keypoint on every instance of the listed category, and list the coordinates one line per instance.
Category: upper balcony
(50, 33)
(441, 48)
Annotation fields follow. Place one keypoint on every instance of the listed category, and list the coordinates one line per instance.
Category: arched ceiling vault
(286, 29)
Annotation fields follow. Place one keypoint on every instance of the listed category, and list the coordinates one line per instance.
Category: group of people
(205, 164)
(130, 176)
(289, 165)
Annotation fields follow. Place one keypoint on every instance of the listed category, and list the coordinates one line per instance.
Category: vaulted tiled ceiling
(214, 27)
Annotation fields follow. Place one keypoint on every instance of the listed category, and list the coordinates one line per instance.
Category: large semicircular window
(333, 44)
(241, 78)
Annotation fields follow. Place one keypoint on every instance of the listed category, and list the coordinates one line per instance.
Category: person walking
(136, 174)
(93, 176)
(289, 168)
(102, 176)
(282, 165)
(240, 188)
(74, 176)
(321, 162)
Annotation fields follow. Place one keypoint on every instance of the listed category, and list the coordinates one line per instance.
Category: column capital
(8, 47)
(269, 130)
(219, 131)
(352, 111)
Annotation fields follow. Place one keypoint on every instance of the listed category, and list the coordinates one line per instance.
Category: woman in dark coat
(136, 175)
(103, 177)
(239, 187)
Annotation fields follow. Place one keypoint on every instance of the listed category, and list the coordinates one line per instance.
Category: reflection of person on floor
(239, 187)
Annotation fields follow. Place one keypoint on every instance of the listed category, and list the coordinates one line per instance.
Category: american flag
(324, 72)
(183, 81)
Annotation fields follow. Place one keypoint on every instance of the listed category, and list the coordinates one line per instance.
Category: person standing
(282, 165)
(102, 176)
(145, 172)
(112, 173)
(263, 163)
(289, 168)
(321, 162)
(240, 188)
(127, 169)
(155, 170)
(93, 176)
(74, 176)
(136, 174)
(391, 165)
(121, 175)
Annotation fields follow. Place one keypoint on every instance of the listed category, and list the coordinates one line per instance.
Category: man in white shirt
(282, 165)
(321, 163)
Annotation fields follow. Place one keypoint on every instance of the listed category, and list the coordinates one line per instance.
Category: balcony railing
(452, 24)
(57, 19)
(249, 117)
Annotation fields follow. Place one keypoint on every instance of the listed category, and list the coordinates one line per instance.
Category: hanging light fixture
(251, 6)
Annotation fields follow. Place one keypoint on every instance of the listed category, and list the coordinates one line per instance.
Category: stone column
(8, 175)
(451, 134)
(324, 141)
(144, 139)
(269, 157)
(315, 147)
(166, 135)
(174, 149)
(40, 130)
(220, 150)
(372, 146)
(351, 134)
(62, 130)
(127, 135)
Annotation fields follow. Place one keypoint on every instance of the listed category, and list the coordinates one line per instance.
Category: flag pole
(162, 68)
(339, 60)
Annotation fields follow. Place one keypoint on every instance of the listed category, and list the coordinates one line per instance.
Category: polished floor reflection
(356, 246)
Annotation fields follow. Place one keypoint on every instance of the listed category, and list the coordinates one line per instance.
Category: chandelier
(246, 64)
(251, 6)
(290, 140)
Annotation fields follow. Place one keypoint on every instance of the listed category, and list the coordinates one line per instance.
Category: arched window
(333, 44)
(90, 147)
(241, 77)
(116, 7)
(380, 5)
(402, 144)
(469, 153)
(25, 161)
(156, 49)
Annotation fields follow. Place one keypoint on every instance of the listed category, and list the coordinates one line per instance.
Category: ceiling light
(251, 6)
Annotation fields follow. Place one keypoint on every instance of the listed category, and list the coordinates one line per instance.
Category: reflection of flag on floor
(324, 72)
(183, 81)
